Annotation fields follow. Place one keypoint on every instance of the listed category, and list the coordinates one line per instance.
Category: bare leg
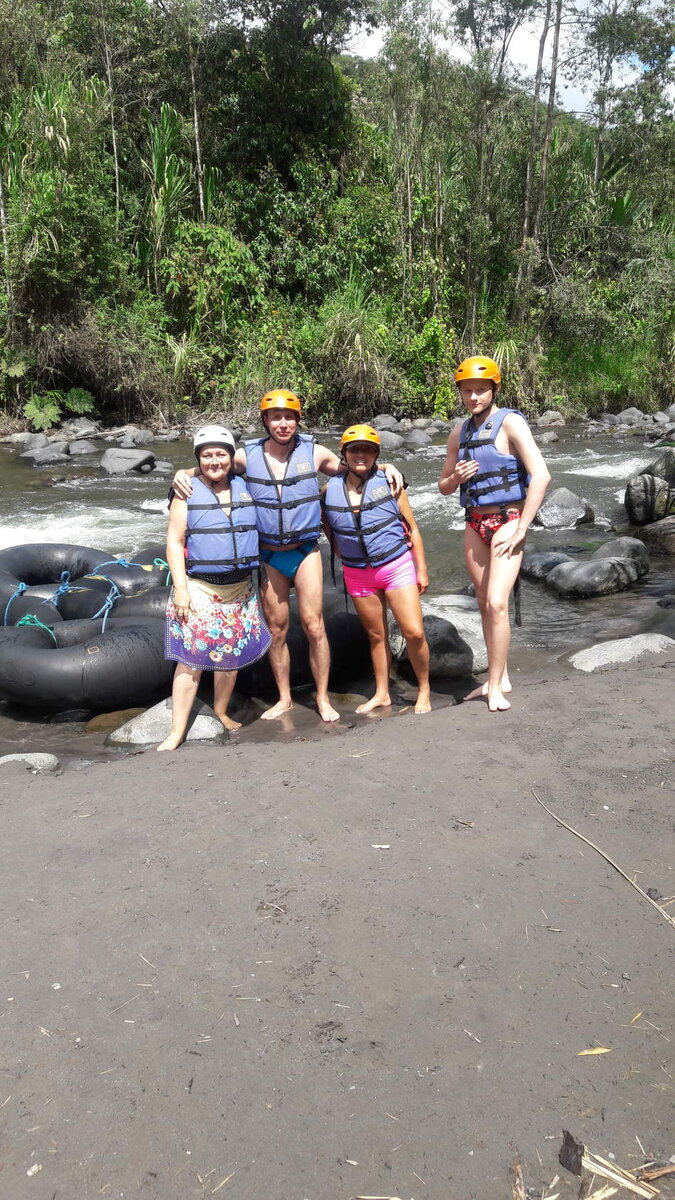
(405, 605)
(309, 590)
(275, 599)
(223, 687)
(478, 558)
(185, 684)
(502, 576)
(372, 613)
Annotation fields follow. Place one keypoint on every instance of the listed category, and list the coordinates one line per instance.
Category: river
(123, 514)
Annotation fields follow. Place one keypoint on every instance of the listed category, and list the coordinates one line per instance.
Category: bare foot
(326, 711)
(497, 701)
(173, 741)
(423, 704)
(277, 710)
(377, 702)
(481, 692)
(228, 722)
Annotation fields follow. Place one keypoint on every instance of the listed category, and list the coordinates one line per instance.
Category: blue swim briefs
(288, 561)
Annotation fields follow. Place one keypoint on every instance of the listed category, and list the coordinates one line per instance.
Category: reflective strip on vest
(501, 478)
(370, 534)
(219, 541)
(288, 510)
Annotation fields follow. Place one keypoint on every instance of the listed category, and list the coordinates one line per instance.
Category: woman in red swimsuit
(495, 462)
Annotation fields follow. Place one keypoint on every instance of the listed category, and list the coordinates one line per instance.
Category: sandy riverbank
(250, 991)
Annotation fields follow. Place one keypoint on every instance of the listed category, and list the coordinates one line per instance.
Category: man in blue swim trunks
(281, 475)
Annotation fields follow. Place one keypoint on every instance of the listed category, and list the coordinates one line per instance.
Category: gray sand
(251, 992)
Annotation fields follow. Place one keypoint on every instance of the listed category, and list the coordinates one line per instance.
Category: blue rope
(109, 602)
(19, 591)
(161, 562)
(32, 620)
(61, 590)
(117, 562)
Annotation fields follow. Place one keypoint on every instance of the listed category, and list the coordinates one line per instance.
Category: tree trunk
(5, 253)
(113, 125)
(548, 135)
(198, 143)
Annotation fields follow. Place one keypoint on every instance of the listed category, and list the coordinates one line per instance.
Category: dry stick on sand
(669, 919)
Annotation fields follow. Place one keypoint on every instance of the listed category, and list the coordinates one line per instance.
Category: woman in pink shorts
(383, 562)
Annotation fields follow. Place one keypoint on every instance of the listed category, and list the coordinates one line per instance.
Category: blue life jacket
(288, 510)
(217, 541)
(501, 478)
(371, 534)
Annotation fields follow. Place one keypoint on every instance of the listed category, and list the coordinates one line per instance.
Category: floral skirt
(225, 629)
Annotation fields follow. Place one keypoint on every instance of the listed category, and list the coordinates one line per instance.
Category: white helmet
(213, 435)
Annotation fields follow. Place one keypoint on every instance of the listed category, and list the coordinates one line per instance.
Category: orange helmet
(478, 367)
(360, 433)
(280, 398)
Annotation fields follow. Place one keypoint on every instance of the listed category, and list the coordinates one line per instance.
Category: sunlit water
(121, 515)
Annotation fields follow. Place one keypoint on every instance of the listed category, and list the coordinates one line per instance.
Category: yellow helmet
(360, 433)
(478, 367)
(280, 398)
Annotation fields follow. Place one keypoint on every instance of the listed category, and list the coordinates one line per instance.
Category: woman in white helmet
(213, 622)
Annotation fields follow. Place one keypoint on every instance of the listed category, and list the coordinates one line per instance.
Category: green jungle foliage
(198, 203)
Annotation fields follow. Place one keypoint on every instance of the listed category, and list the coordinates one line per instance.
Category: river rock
(107, 722)
(563, 509)
(117, 461)
(52, 454)
(154, 725)
(646, 499)
(386, 421)
(389, 440)
(79, 427)
(623, 650)
(546, 439)
(36, 441)
(663, 466)
(595, 577)
(416, 438)
(660, 537)
(550, 417)
(538, 564)
(631, 416)
(625, 547)
(32, 762)
(83, 446)
(454, 632)
(422, 422)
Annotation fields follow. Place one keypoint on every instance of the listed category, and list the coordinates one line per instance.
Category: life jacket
(288, 510)
(217, 541)
(501, 478)
(371, 534)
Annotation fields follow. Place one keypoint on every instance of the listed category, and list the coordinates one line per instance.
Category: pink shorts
(365, 581)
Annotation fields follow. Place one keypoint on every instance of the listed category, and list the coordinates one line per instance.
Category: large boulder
(454, 632)
(422, 422)
(51, 454)
(631, 416)
(546, 439)
(550, 417)
(81, 446)
(595, 577)
(563, 509)
(663, 466)
(660, 537)
(79, 427)
(625, 547)
(154, 725)
(116, 461)
(647, 499)
(538, 564)
(389, 440)
(386, 421)
(36, 441)
(622, 650)
(416, 438)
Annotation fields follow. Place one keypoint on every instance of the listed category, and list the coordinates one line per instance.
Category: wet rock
(660, 537)
(106, 722)
(550, 417)
(609, 419)
(117, 461)
(623, 650)
(389, 440)
(83, 446)
(32, 762)
(36, 441)
(455, 635)
(154, 725)
(386, 421)
(546, 439)
(631, 416)
(538, 564)
(18, 439)
(646, 499)
(42, 458)
(563, 509)
(625, 547)
(663, 466)
(595, 577)
(416, 438)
